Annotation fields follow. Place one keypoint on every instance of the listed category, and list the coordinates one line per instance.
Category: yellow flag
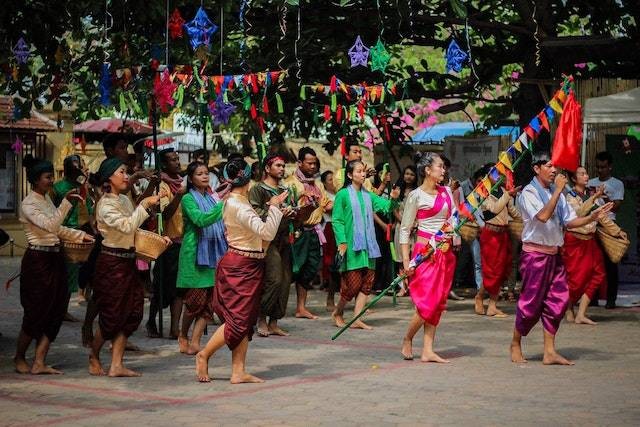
(505, 159)
(555, 105)
(487, 183)
(471, 198)
(518, 146)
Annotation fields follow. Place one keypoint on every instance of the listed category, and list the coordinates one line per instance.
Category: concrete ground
(359, 379)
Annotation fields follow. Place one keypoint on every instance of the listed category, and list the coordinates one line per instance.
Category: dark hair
(111, 140)
(71, 171)
(350, 143)
(425, 160)
(325, 175)
(199, 152)
(605, 156)
(36, 167)
(349, 170)
(234, 156)
(402, 184)
(540, 158)
(446, 161)
(236, 171)
(163, 154)
(304, 151)
(191, 169)
(270, 158)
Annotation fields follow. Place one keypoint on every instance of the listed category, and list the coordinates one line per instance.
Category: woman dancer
(44, 293)
(202, 247)
(430, 205)
(355, 234)
(117, 288)
(236, 295)
(581, 254)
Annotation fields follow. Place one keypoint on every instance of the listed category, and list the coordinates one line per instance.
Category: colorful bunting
(471, 198)
(505, 159)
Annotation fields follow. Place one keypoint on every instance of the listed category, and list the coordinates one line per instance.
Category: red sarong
(236, 295)
(328, 252)
(44, 293)
(495, 253)
(119, 295)
(584, 262)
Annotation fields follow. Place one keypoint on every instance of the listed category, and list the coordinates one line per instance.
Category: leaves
(458, 8)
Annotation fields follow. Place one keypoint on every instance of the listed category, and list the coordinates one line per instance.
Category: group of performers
(235, 249)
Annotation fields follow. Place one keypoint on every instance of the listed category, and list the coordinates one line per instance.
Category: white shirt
(548, 233)
(613, 189)
(419, 199)
(42, 221)
(327, 215)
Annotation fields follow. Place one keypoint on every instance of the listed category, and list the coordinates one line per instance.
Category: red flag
(343, 146)
(566, 145)
(508, 175)
(464, 211)
(543, 119)
(339, 114)
(327, 113)
(265, 105)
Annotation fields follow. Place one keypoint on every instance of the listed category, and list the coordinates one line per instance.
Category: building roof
(37, 121)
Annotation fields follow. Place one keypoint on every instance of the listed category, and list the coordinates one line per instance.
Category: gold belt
(40, 248)
(248, 254)
(496, 228)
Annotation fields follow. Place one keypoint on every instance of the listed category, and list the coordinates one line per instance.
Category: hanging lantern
(21, 51)
(175, 24)
(200, 30)
(358, 53)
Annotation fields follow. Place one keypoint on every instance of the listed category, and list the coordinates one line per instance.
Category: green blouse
(191, 275)
(342, 222)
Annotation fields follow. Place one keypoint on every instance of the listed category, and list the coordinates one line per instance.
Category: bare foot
(433, 357)
(516, 354)
(95, 367)
(276, 330)
(202, 369)
(497, 313)
(407, 349)
(571, 317)
(121, 371)
(245, 378)
(359, 324)
(584, 320)
(556, 359)
(193, 349)
(305, 314)
(263, 329)
(479, 307)
(338, 320)
(21, 365)
(39, 368)
(183, 344)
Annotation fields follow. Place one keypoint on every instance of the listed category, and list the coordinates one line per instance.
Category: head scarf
(37, 168)
(229, 182)
(108, 168)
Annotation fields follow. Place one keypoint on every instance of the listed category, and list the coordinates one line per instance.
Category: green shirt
(191, 275)
(342, 222)
(60, 189)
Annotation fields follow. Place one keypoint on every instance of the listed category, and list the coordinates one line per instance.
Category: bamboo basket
(77, 252)
(515, 228)
(614, 247)
(149, 245)
(469, 231)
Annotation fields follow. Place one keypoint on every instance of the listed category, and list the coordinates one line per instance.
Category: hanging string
(380, 20)
(295, 50)
(536, 34)
(249, 25)
(166, 35)
(243, 43)
(471, 62)
(108, 24)
(221, 34)
(283, 33)
(399, 22)
(410, 5)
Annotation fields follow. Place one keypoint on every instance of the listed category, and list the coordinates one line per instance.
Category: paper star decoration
(17, 146)
(455, 57)
(200, 29)
(379, 57)
(358, 53)
(21, 51)
(175, 24)
(221, 111)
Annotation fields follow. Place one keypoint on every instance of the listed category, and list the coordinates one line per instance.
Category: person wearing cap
(44, 293)
(118, 292)
(277, 276)
(240, 272)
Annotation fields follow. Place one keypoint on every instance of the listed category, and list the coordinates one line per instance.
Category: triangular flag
(550, 113)
(482, 191)
(486, 181)
(543, 119)
(535, 125)
(525, 141)
(506, 172)
(561, 96)
(530, 132)
(518, 146)
(493, 175)
(555, 105)
(505, 159)
(471, 198)
(465, 210)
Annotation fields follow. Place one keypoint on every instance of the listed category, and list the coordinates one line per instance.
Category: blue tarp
(437, 133)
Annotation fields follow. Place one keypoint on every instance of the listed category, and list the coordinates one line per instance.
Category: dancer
(203, 246)
(355, 235)
(236, 296)
(495, 249)
(545, 293)
(277, 274)
(431, 205)
(165, 271)
(117, 289)
(307, 251)
(44, 293)
(581, 253)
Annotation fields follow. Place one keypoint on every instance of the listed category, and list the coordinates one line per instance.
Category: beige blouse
(118, 220)
(583, 208)
(502, 207)
(42, 221)
(244, 228)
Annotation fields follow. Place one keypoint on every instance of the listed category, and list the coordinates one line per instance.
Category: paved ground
(359, 379)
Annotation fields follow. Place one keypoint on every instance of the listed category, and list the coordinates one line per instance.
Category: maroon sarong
(198, 303)
(119, 295)
(584, 262)
(44, 293)
(236, 295)
(353, 282)
(495, 253)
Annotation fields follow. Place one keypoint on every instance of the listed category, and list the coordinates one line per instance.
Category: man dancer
(545, 292)
(165, 271)
(277, 275)
(307, 252)
(613, 192)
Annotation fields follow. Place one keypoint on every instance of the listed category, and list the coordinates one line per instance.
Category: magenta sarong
(431, 283)
(545, 292)
(236, 295)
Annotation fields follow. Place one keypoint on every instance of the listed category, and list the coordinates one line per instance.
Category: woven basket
(469, 231)
(515, 228)
(76, 252)
(149, 245)
(614, 247)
